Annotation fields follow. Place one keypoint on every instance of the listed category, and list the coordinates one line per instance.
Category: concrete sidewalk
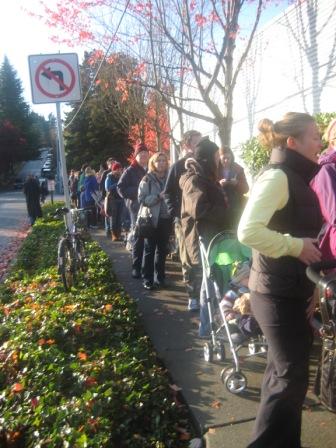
(224, 420)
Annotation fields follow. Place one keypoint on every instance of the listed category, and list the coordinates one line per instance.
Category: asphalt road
(13, 216)
(33, 166)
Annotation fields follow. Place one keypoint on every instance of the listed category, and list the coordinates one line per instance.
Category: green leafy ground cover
(76, 369)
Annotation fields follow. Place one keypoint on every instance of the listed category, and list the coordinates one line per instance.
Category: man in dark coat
(128, 189)
(32, 191)
(173, 197)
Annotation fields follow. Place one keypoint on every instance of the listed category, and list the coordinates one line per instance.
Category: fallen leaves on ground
(216, 404)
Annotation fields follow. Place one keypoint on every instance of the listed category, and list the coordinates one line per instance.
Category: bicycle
(71, 256)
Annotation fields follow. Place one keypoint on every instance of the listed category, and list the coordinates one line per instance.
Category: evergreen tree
(13, 106)
(19, 138)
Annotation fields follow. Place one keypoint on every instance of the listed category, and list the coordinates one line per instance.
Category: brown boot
(114, 236)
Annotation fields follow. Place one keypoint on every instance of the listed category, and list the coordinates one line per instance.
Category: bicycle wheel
(80, 254)
(66, 263)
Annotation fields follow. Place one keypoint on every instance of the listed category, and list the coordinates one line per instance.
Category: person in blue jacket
(128, 189)
(114, 203)
(90, 186)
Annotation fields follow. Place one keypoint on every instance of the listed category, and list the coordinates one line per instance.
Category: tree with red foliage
(188, 47)
(154, 129)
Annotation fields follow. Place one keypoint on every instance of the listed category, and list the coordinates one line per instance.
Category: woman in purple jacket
(324, 185)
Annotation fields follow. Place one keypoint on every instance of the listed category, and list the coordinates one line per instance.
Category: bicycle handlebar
(313, 271)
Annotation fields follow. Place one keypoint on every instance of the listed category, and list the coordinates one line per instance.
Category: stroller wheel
(252, 348)
(235, 382)
(220, 351)
(208, 352)
(225, 372)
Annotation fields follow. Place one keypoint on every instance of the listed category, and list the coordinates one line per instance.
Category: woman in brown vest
(281, 222)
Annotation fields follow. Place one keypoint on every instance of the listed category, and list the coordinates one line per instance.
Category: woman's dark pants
(156, 250)
(138, 244)
(116, 211)
(285, 326)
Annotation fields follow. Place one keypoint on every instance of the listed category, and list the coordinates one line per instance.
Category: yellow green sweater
(269, 194)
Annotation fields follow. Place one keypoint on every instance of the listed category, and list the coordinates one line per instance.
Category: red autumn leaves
(8, 253)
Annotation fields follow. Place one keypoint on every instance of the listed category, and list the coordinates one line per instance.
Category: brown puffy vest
(301, 217)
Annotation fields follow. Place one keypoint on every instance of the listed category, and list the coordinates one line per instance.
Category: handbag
(144, 226)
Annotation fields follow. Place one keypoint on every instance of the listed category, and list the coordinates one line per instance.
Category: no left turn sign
(54, 78)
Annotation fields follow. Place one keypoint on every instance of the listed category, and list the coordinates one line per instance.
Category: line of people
(97, 192)
(199, 195)
(202, 194)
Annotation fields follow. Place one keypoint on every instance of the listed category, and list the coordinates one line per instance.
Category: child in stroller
(237, 311)
(226, 269)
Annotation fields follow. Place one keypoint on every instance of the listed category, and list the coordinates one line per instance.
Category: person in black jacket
(281, 222)
(32, 191)
(128, 189)
(173, 198)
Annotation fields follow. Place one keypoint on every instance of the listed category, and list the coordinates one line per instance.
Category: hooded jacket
(203, 209)
(324, 185)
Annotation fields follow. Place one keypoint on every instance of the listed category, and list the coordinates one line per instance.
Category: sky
(22, 35)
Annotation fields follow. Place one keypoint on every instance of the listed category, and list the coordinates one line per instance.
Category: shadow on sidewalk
(174, 333)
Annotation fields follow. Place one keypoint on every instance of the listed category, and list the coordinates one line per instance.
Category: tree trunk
(224, 131)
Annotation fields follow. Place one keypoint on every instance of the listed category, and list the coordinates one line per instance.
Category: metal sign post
(54, 79)
(62, 160)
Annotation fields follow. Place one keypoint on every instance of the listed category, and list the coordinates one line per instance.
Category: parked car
(45, 172)
(18, 183)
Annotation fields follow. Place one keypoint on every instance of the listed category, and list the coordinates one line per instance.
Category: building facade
(291, 67)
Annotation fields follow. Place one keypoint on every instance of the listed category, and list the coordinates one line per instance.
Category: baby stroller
(219, 261)
(325, 386)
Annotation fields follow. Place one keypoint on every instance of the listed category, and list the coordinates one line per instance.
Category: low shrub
(76, 369)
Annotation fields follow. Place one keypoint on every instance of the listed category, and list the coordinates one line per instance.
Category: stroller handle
(313, 271)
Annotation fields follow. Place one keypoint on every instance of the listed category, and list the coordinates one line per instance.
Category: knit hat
(139, 148)
(205, 150)
(116, 166)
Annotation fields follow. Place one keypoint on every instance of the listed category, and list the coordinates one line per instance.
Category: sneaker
(147, 284)
(108, 233)
(193, 305)
(136, 273)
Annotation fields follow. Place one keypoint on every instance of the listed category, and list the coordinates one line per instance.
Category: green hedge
(76, 369)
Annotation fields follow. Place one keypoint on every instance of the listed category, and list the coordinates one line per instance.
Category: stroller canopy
(224, 253)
